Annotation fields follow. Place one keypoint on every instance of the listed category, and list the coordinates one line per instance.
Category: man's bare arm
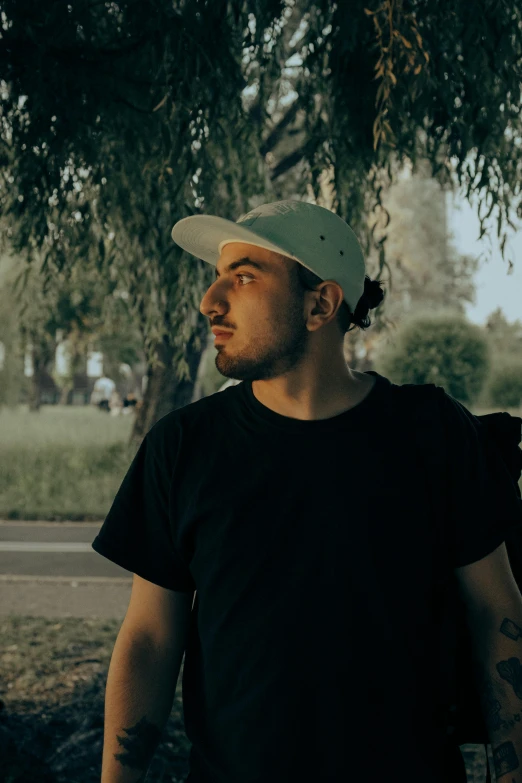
(140, 691)
(497, 653)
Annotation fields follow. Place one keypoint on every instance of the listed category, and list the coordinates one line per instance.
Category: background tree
(84, 308)
(505, 337)
(11, 378)
(505, 387)
(429, 274)
(443, 349)
(191, 94)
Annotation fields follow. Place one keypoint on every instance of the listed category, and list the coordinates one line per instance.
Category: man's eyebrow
(246, 261)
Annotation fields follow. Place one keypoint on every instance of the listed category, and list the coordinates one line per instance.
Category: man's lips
(221, 334)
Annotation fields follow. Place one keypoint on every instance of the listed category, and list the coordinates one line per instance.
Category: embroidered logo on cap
(278, 208)
(249, 218)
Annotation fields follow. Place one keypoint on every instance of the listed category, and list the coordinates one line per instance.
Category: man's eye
(251, 278)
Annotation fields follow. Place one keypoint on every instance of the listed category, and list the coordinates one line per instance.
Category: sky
(494, 287)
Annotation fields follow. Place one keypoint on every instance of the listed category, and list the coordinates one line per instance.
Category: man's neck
(349, 396)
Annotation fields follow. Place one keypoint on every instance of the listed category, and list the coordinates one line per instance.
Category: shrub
(505, 386)
(444, 349)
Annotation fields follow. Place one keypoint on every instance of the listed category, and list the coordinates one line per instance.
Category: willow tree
(177, 108)
(126, 135)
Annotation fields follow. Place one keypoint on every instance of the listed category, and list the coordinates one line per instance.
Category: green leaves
(442, 349)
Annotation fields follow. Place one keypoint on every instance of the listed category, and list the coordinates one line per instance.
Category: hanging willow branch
(399, 51)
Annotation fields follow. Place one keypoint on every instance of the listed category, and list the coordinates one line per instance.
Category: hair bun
(373, 293)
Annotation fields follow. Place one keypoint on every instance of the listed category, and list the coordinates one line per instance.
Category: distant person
(102, 392)
(129, 403)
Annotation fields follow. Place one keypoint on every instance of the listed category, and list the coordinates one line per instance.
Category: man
(295, 507)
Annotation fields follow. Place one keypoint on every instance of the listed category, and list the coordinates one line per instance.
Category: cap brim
(202, 235)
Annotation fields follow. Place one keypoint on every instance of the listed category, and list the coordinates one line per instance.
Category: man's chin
(226, 369)
(234, 372)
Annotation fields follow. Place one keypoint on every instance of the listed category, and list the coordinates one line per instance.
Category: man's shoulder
(194, 412)
(420, 391)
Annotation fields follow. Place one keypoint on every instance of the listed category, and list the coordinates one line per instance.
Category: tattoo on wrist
(139, 745)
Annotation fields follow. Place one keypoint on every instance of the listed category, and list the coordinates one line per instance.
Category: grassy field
(63, 462)
(66, 462)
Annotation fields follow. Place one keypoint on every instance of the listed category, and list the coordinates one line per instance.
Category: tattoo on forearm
(505, 759)
(493, 697)
(510, 629)
(492, 709)
(139, 745)
(511, 670)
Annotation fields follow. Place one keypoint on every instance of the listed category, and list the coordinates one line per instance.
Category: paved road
(48, 569)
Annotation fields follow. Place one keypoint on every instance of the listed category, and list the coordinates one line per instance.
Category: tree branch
(289, 162)
(119, 99)
(81, 52)
(275, 135)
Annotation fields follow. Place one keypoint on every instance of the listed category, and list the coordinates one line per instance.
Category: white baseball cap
(312, 235)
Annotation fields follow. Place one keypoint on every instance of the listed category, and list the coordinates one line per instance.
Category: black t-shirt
(317, 558)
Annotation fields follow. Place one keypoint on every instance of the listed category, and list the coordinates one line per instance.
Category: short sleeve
(483, 503)
(137, 533)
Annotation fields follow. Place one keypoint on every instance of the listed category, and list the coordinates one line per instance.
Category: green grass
(63, 462)
(63, 425)
(67, 461)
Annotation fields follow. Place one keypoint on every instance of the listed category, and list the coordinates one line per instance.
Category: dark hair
(371, 298)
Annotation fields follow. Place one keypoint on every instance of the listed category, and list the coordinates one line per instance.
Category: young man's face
(263, 311)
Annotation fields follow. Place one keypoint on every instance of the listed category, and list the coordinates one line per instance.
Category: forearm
(497, 645)
(140, 690)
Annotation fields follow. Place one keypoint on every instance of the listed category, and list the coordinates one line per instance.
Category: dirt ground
(52, 687)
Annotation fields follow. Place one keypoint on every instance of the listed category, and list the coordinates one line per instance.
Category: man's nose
(212, 298)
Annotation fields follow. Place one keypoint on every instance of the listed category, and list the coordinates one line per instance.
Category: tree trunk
(164, 393)
(41, 355)
(64, 392)
(36, 381)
